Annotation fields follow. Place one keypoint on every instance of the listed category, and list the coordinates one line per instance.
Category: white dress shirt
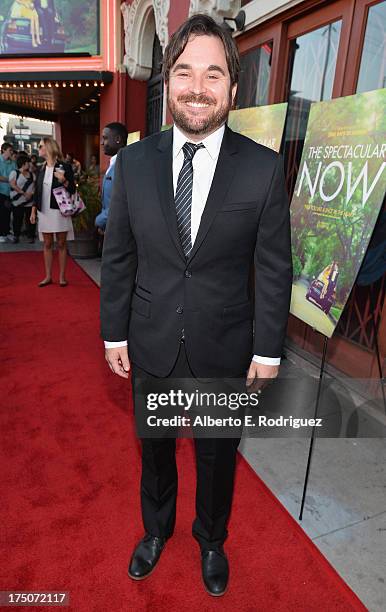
(204, 165)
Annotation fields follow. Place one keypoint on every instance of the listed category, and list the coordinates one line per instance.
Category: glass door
(315, 53)
(253, 87)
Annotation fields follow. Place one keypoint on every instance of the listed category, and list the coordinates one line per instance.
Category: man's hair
(21, 160)
(201, 25)
(119, 130)
(5, 146)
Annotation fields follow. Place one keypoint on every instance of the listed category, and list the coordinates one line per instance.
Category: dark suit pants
(17, 219)
(215, 465)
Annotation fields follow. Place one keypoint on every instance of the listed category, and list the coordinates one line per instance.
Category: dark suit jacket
(150, 293)
(68, 174)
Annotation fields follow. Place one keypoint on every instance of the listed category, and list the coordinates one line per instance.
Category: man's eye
(213, 76)
(183, 74)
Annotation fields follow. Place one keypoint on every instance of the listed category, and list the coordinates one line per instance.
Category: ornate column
(218, 9)
(142, 18)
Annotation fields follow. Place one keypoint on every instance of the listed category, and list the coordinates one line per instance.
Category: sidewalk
(345, 510)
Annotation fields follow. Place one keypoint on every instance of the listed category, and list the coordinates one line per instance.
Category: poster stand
(381, 378)
(321, 373)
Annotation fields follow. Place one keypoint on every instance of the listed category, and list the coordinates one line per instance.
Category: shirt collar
(112, 159)
(212, 142)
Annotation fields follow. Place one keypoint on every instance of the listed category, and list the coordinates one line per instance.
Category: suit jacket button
(188, 274)
(179, 309)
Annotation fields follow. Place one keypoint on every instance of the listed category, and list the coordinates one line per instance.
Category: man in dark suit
(193, 210)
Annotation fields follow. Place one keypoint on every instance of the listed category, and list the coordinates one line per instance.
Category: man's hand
(33, 216)
(100, 231)
(258, 374)
(118, 360)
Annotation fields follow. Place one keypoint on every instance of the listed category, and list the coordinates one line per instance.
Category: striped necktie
(183, 197)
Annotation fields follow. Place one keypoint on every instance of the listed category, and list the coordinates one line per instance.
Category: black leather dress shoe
(215, 571)
(145, 557)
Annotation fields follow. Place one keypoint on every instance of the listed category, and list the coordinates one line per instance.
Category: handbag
(69, 205)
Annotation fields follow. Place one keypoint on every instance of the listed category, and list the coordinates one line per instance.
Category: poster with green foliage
(263, 124)
(338, 196)
(133, 137)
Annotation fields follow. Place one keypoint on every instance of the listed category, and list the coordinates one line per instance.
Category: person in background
(33, 166)
(55, 172)
(14, 157)
(6, 167)
(93, 169)
(22, 184)
(75, 165)
(114, 137)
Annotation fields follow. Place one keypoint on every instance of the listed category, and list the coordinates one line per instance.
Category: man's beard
(196, 126)
(109, 151)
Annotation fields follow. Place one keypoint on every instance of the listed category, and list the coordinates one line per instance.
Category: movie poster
(263, 124)
(49, 27)
(338, 196)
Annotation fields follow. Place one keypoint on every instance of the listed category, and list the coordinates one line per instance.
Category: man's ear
(234, 91)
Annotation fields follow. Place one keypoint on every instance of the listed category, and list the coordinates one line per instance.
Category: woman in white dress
(53, 173)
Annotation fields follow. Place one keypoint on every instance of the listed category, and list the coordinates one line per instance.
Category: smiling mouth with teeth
(197, 105)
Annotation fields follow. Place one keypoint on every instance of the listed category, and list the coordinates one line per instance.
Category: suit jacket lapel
(164, 173)
(222, 179)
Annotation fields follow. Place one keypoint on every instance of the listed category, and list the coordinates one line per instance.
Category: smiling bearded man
(192, 210)
(199, 114)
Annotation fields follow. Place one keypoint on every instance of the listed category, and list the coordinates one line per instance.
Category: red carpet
(70, 465)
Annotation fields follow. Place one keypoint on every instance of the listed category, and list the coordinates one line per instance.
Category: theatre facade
(298, 51)
(295, 51)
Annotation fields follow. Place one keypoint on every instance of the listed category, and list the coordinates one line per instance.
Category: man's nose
(198, 84)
